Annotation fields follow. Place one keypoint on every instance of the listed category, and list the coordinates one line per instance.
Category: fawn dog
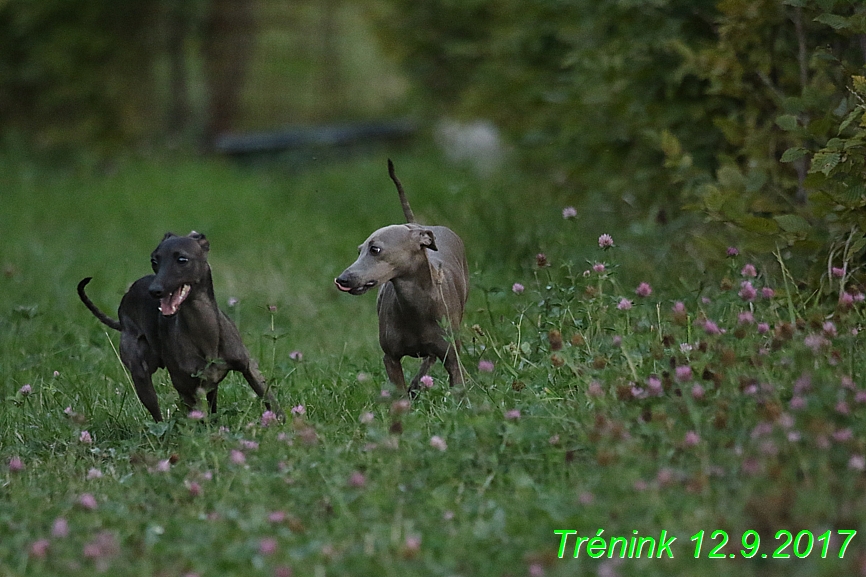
(423, 280)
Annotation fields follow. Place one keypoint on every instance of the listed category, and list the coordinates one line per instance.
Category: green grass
(772, 441)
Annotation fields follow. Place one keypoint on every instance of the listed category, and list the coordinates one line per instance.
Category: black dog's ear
(427, 238)
(202, 240)
(168, 235)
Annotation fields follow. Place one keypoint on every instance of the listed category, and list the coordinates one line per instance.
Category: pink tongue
(166, 305)
(169, 304)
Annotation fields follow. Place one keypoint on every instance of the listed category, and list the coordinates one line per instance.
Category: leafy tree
(666, 103)
(585, 88)
(788, 67)
(72, 71)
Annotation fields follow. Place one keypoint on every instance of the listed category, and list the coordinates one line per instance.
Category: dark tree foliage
(585, 88)
(666, 103)
(96, 75)
(71, 71)
(228, 39)
(790, 68)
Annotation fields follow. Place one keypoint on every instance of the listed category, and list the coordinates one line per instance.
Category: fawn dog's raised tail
(407, 210)
(104, 318)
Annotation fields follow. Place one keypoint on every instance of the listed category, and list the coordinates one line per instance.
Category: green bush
(584, 88)
(663, 104)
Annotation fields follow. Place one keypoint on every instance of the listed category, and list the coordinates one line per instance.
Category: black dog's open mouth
(358, 290)
(168, 305)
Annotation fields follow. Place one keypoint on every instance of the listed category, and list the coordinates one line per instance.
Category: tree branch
(802, 56)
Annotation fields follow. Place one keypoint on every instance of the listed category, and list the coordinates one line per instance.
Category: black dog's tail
(104, 318)
(407, 210)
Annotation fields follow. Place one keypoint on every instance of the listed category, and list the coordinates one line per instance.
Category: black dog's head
(180, 265)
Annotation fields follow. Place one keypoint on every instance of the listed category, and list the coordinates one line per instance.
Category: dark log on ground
(325, 136)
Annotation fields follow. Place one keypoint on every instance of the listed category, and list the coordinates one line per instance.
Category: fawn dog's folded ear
(427, 239)
(202, 240)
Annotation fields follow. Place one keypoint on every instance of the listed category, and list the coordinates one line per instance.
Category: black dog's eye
(375, 250)
(154, 263)
(182, 260)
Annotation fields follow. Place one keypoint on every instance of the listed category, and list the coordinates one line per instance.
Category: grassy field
(711, 399)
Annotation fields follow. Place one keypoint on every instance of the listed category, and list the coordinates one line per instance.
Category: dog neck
(417, 292)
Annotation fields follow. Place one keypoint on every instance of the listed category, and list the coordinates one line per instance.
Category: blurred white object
(475, 143)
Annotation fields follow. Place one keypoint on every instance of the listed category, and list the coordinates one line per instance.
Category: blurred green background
(742, 119)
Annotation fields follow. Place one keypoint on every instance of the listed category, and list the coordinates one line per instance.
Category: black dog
(171, 319)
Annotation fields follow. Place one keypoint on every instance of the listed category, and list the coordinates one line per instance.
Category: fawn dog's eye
(375, 250)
